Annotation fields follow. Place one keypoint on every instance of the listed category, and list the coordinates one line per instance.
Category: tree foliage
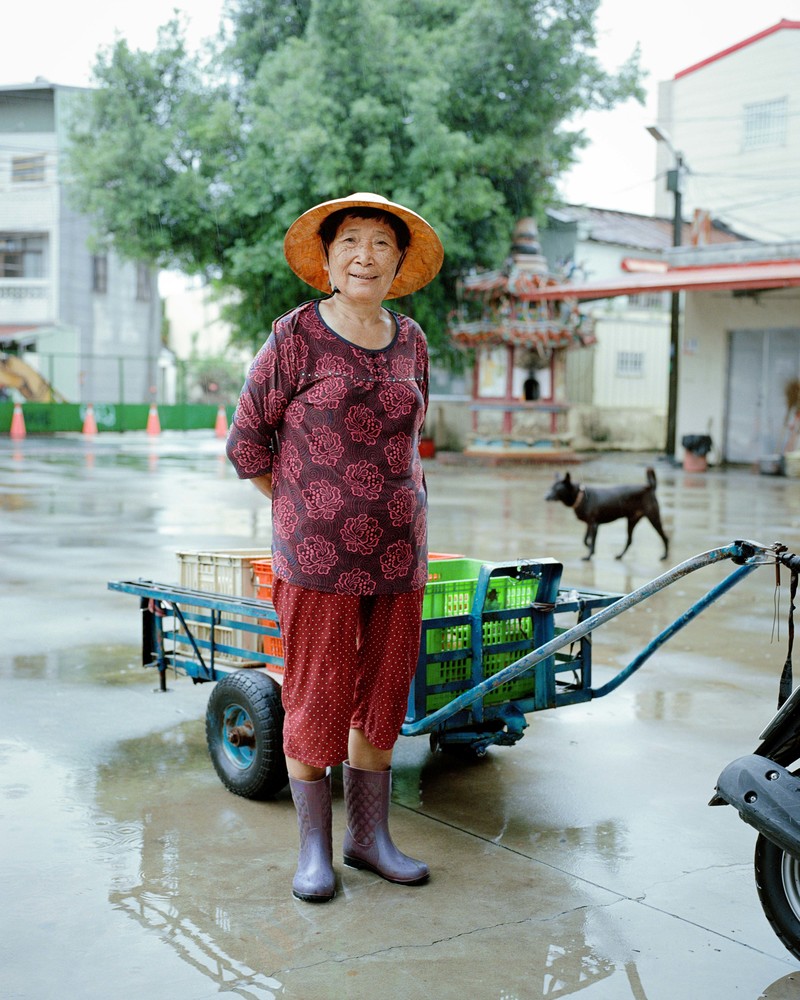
(458, 108)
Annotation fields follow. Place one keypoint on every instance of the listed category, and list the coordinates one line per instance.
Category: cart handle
(747, 555)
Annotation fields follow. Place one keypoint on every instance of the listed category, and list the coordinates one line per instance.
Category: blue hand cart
(499, 642)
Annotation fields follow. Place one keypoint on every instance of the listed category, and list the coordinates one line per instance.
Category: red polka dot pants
(348, 663)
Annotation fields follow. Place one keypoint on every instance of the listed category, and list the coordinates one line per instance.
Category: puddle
(102, 665)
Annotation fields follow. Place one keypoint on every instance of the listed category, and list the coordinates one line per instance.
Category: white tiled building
(735, 119)
(89, 323)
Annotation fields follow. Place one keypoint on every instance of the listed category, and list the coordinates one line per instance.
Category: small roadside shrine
(519, 402)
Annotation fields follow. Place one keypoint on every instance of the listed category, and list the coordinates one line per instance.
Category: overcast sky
(58, 40)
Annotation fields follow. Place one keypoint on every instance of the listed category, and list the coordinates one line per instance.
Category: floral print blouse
(338, 427)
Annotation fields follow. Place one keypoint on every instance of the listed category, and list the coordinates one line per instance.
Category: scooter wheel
(778, 884)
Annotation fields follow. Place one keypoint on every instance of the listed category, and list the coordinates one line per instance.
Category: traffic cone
(17, 432)
(221, 426)
(153, 423)
(89, 422)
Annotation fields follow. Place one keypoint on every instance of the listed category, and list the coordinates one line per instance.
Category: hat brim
(305, 254)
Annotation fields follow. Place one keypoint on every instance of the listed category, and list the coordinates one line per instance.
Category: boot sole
(358, 863)
(309, 898)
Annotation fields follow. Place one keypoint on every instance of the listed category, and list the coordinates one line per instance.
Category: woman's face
(363, 259)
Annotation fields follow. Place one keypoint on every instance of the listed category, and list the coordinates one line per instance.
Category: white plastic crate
(228, 572)
(221, 572)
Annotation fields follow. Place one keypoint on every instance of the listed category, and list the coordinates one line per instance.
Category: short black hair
(329, 226)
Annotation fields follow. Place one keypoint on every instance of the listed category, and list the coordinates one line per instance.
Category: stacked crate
(230, 572)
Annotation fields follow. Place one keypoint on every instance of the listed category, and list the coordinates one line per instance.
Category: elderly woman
(327, 427)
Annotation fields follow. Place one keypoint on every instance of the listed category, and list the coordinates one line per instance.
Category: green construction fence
(57, 418)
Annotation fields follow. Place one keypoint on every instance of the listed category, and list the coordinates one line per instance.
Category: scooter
(764, 787)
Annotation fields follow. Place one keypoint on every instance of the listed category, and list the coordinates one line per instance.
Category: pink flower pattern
(252, 458)
(293, 356)
(364, 480)
(295, 413)
(364, 426)
(361, 534)
(397, 560)
(262, 365)
(403, 367)
(280, 566)
(333, 364)
(284, 517)
(322, 500)
(398, 399)
(327, 395)
(398, 452)
(338, 427)
(274, 406)
(325, 446)
(291, 465)
(246, 415)
(317, 555)
(402, 506)
(356, 582)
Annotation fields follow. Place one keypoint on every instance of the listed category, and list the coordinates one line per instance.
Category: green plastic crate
(452, 594)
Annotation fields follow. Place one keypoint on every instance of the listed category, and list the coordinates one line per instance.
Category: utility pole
(675, 185)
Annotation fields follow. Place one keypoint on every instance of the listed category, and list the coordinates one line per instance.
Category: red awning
(723, 277)
(10, 332)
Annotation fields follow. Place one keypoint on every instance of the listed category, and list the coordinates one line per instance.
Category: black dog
(597, 506)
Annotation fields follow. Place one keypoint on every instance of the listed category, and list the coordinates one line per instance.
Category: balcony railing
(26, 300)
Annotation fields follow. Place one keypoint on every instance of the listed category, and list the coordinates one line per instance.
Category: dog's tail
(651, 478)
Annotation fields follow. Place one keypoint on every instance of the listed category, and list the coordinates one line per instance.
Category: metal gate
(763, 363)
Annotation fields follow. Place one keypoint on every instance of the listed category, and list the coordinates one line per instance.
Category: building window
(27, 169)
(648, 300)
(22, 256)
(630, 364)
(100, 274)
(765, 124)
(143, 286)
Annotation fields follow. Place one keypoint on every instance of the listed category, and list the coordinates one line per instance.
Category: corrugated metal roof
(643, 232)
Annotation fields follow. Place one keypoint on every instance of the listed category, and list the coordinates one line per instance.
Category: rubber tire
(258, 772)
(778, 885)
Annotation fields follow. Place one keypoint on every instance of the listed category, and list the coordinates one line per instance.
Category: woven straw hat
(303, 248)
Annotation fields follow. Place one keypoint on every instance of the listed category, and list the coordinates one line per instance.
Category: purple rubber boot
(367, 842)
(314, 880)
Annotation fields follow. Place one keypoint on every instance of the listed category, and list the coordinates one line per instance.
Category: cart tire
(254, 767)
(778, 884)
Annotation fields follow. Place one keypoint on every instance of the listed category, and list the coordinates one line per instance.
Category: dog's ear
(567, 478)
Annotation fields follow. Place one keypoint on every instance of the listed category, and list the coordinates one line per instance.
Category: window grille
(27, 169)
(100, 274)
(765, 123)
(630, 364)
(143, 293)
(21, 256)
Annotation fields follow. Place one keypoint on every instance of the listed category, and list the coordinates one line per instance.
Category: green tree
(458, 108)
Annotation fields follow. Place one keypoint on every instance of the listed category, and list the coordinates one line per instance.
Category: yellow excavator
(16, 374)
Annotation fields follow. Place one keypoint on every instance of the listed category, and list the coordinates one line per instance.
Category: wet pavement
(583, 860)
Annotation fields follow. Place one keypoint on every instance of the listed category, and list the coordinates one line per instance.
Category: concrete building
(90, 324)
(739, 345)
(618, 388)
(731, 135)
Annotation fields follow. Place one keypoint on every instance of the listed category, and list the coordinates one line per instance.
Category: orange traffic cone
(221, 426)
(17, 432)
(89, 422)
(153, 423)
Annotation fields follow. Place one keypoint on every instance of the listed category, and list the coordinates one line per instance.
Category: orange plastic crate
(272, 645)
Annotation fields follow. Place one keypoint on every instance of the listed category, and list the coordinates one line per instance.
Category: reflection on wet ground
(582, 860)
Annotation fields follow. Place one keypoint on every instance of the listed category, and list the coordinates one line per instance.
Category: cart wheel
(244, 732)
(778, 884)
